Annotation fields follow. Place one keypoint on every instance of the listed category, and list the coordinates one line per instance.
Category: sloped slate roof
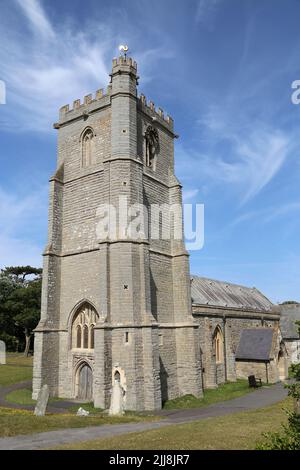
(223, 294)
(289, 314)
(255, 344)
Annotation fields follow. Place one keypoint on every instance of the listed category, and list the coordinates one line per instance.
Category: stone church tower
(120, 306)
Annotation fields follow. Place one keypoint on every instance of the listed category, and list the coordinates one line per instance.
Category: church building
(123, 306)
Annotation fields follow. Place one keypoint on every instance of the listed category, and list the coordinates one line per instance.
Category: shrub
(289, 437)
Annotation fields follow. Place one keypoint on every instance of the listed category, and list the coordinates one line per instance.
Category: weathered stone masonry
(127, 305)
(139, 289)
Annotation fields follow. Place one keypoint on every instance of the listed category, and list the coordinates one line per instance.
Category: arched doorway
(84, 382)
(282, 366)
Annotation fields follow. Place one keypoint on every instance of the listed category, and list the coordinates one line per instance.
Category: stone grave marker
(42, 401)
(2, 352)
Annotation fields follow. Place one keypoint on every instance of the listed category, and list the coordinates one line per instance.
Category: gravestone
(2, 352)
(42, 401)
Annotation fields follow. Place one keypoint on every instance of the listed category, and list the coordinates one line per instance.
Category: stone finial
(152, 106)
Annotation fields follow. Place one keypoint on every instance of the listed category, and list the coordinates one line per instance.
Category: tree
(289, 438)
(21, 301)
(290, 302)
(7, 326)
(18, 273)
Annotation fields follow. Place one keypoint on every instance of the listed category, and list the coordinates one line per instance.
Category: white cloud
(36, 15)
(59, 63)
(53, 72)
(252, 152)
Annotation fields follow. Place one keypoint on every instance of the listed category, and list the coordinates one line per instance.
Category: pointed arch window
(83, 325)
(219, 345)
(151, 147)
(88, 147)
(78, 336)
(85, 337)
(92, 337)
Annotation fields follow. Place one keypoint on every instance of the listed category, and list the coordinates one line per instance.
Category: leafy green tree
(21, 303)
(7, 326)
(19, 273)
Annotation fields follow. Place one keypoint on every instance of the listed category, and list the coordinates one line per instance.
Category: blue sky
(222, 68)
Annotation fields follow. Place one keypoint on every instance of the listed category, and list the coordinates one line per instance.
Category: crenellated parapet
(155, 113)
(121, 66)
(123, 60)
(79, 107)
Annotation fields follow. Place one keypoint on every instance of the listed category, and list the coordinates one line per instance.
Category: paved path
(59, 406)
(258, 399)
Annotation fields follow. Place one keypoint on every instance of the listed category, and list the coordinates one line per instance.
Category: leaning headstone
(42, 401)
(2, 352)
(82, 412)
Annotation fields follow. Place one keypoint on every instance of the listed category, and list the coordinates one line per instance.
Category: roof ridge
(225, 282)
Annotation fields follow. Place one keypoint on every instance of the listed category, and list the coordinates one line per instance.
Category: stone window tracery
(83, 327)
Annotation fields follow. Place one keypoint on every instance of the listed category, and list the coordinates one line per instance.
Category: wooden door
(85, 385)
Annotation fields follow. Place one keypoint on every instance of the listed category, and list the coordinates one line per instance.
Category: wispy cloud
(57, 68)
(37, 18)
(63, 62)
(206, 10)
(267, 214)
(282, 211)
(189, 194)
(253, 151)
(15, 209)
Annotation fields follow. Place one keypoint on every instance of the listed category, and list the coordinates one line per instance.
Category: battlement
(123, 60)
(87, 100)
(158, 111)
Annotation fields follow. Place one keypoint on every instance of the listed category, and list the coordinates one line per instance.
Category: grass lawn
(17, 369)
(22, 396)
(236, 431)
(227, 391)
(14, 422)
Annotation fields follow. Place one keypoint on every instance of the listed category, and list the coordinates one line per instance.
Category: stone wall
(293, 350)
(231, 322)
(267, 372)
